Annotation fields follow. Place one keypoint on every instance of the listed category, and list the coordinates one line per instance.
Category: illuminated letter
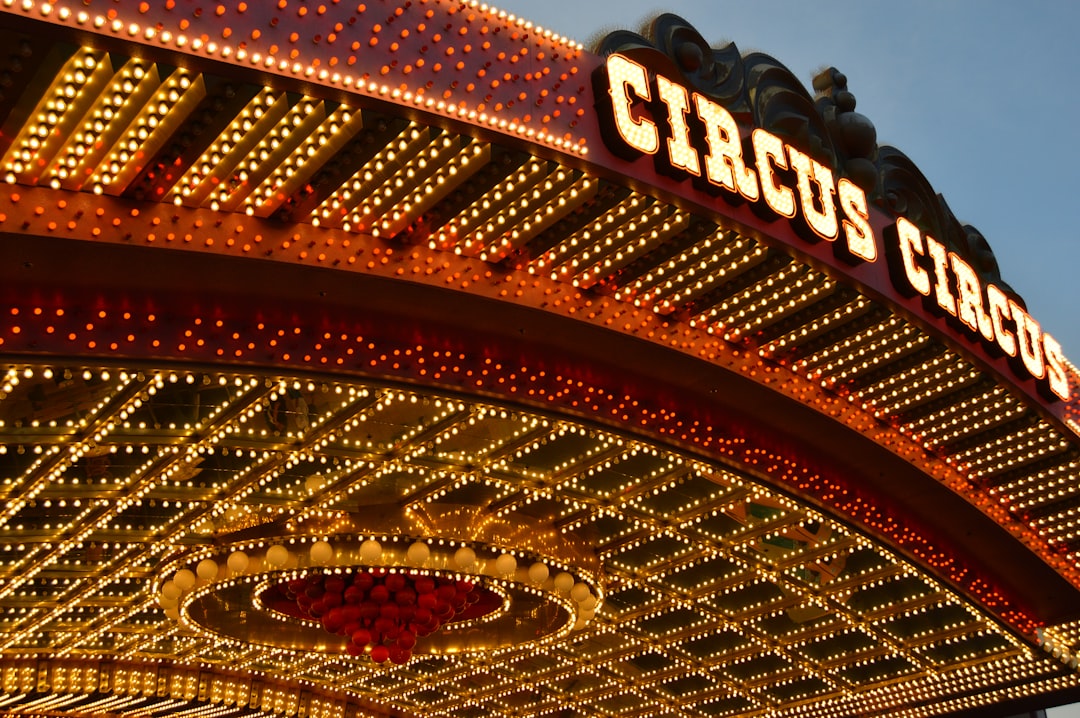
(1028, 333)
(623, 76)
(724, 164)
(808, 169)
(769, 151)
(999, 312)
(969, 305)
(945, 299)
(911, 243)
(680, 152)
(1055, 368)
(857, 230)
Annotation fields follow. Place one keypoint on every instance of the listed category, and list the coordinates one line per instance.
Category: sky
(980, 94)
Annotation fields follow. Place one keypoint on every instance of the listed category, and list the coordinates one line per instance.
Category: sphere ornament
(238, 561)
(170, 592)
(418, 553)
(387, 585)
(538, 572)
(464, 558)
(184, 579)
(505, 564)
(277, 555)
(321, 553)
(564, 581)
(206, 569)
(370, 551)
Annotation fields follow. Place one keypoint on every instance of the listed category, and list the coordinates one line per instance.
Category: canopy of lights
(375, 360)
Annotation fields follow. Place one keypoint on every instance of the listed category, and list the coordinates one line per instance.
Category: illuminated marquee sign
(691, 136)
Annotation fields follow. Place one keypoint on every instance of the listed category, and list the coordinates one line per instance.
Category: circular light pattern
(383, 612)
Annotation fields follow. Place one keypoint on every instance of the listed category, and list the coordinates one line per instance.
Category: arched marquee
(406, 359)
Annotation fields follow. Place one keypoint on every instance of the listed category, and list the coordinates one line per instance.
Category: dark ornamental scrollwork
(757, 89)
(853, 134)
(982, 259)
(904, 190)
(783, 107)
(716, 72)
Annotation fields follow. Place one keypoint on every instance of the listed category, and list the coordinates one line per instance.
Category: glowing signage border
(692, 137)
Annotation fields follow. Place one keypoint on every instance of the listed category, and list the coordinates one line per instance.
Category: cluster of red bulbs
(381, 613)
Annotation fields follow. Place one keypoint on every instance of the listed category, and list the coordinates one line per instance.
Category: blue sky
(979, 93)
